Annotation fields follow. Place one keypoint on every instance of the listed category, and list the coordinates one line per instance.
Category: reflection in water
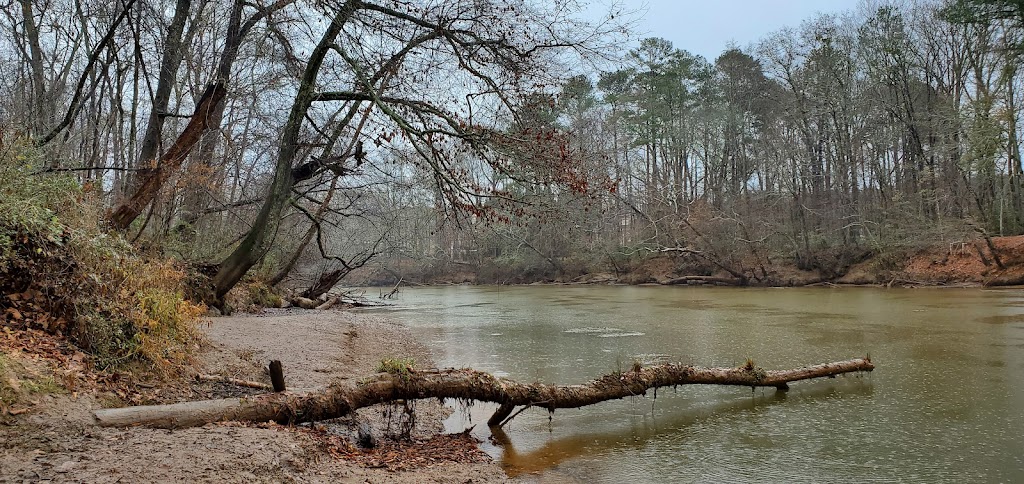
(554, 453)
(1002, 319)
(944, 404)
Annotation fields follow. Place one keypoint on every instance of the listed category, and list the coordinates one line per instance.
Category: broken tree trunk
(325, 283)
(468, 384)
(277, 375)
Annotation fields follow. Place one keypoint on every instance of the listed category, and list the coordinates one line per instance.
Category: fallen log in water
(337, 401)
(684, 280)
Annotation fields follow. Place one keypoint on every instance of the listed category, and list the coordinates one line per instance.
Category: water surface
(945, 403)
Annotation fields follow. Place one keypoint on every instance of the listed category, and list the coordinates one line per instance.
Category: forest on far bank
(303, 145)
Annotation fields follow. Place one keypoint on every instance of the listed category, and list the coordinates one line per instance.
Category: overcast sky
(706, 27)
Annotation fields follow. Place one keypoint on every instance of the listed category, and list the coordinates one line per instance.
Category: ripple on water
(1001, 319)
(621, 335)
(589, 330)
(604, 332)
(651, 358)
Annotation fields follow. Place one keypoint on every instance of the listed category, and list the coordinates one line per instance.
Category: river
(946, 402)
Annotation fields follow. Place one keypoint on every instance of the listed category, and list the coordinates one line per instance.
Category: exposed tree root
(466, 384)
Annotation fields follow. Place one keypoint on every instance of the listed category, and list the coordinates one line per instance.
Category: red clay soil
(963, 263)
(969, 262)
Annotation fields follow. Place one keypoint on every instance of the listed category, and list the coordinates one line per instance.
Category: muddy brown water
(946, 403)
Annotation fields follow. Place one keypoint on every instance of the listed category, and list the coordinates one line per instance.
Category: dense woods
(295, 142)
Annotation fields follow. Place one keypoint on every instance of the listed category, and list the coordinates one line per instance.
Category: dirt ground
(57, 442)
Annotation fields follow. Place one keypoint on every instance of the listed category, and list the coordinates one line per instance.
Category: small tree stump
(277, 375)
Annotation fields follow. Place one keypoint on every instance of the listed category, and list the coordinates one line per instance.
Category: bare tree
(490, 50)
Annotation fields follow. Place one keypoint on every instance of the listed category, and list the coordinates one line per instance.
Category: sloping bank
(996, 261)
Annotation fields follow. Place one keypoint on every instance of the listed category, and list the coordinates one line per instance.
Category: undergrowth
(7, 393)
(19, 385)
(62, 272)
(253, 295)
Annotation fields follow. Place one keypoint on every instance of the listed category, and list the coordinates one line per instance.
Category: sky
(707, 27)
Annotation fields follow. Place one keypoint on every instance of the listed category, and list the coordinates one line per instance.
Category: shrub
(252, 296)
(402, 367)
(22, 381)
(60, 271)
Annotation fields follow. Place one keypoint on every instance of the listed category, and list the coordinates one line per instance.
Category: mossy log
(337, 401)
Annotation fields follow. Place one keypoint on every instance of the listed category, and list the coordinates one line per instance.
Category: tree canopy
(298, 141)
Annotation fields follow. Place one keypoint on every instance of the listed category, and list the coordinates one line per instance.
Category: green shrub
(402, 367)
(253, 295)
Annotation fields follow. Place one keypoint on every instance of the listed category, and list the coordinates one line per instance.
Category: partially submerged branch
(338, 401)
(725, 281)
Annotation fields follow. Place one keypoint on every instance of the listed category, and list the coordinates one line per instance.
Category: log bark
(304, 302)
(329, 303)
(337, 401)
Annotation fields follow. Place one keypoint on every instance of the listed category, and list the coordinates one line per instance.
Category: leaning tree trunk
(153, 168)
(150, 180)
(264, 228)
(195, 196)
(168, 77)
(468, 384)
(325, 283)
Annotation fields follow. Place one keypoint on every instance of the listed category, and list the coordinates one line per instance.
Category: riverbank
(997, 261)
(52, 437)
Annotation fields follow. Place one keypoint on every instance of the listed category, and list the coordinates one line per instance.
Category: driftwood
(304, 302)
(329, 304)
(725, 281)
(394, 290)
(327, 301)
(467, 384)
(234, 381)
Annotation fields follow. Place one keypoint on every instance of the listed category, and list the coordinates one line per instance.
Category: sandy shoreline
(58, 441)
